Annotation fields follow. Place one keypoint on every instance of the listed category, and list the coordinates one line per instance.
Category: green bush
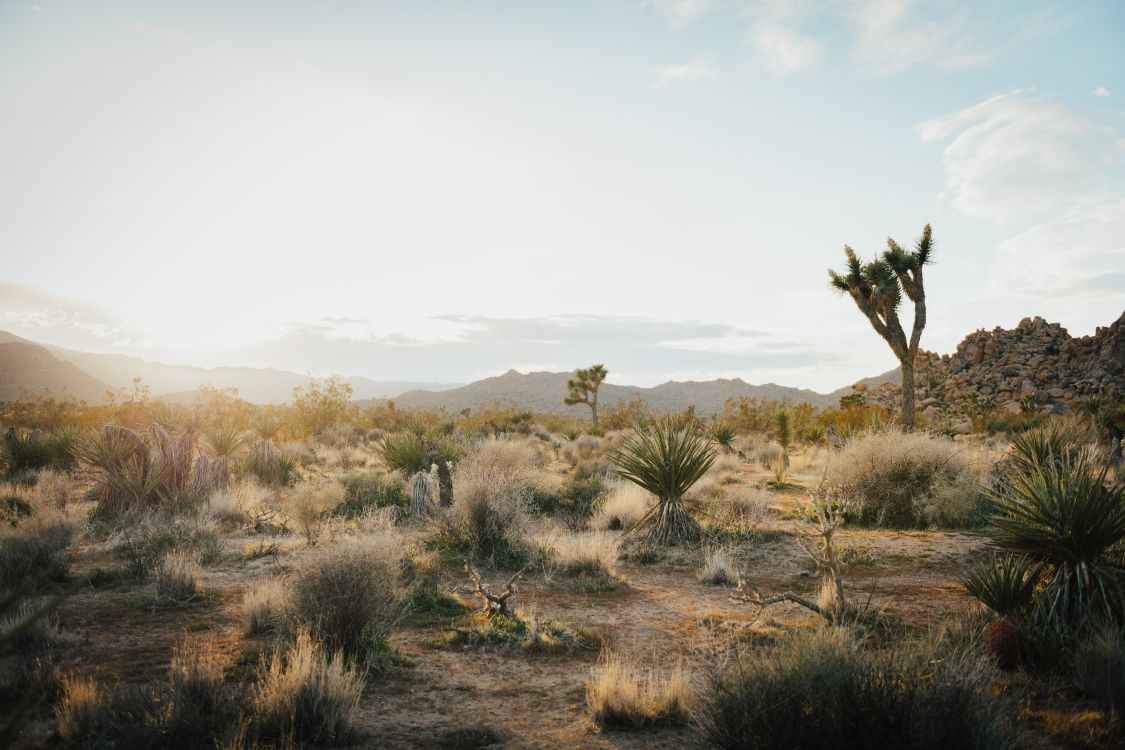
(367, 490)
(22, 452)
(823, 689)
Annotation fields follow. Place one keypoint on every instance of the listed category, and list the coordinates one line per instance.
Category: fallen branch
(495, 605)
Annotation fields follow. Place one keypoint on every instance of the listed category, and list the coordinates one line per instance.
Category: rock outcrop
(1035, 365)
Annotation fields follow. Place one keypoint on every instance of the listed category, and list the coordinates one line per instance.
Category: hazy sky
(444, 190)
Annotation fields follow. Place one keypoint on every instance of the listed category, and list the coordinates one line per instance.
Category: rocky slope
(28, 370)
(1036, 363)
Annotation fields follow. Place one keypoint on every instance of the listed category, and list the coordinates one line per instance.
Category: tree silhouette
(877, 287)
(583, 388)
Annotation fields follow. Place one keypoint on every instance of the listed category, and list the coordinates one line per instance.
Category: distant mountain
(255, 384)
(28, 369)
(544, 391)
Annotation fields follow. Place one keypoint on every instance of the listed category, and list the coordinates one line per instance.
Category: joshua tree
(666, 461)
(583, 388)
(877, 288)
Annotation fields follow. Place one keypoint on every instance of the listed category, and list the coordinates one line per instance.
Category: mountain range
(28, 369)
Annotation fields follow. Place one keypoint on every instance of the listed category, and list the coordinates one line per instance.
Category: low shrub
(201, 709)
(909, 479)
(264, 608)
(306, 696)
(177, 577)
(590, 554)
(1099, 671)
(620, 695)
(146, 540)
(348, 598)
(309, 503)
(823, 689)
(621, 506)
(365, 491)
(35, 550)
(720, 568)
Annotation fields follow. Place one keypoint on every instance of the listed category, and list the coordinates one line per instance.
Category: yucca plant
(724, 434)
(1060, 510)
(414, 451)
(1005, 584)
(666, 461)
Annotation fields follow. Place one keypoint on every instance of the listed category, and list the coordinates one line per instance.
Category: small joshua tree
(583, 388)
(877, 288)
(665, 460)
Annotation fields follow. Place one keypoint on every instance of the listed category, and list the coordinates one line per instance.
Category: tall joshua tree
(583, 388)
(877, 287)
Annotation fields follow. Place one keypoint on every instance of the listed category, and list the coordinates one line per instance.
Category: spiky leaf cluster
(664, 460)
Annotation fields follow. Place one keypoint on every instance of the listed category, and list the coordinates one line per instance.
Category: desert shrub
(309, 503)
(201, 709)
(488, 520)
(348, 598)
(592, 554)
(620, 695)
(22, 452)
(303, 695)
(177, 577)
(264, 608)
(269, 464)
(89, 714)
(24, 629)
(145, 540)
(35, 549)
(908, 479)
(226, 508)
(1099, 670)
(720, 568)
(368, 490)
(409, 452)
(622, 505)
(823, 689)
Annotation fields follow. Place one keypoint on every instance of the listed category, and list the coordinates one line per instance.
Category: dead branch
(495, 605)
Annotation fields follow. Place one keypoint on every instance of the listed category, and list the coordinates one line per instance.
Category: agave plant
(666, 461)
(1060, 510)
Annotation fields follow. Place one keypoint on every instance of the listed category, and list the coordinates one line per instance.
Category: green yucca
(1060, 510)
(1005, 584)
(666, 461)
(223, 441)
(723, 434)
(405, 452)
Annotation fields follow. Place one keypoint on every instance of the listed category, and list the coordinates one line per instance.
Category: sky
(442, 191)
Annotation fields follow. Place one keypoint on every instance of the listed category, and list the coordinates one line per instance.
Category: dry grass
(909, 479)
(308, 505)
(264, 607)
(592, 554)
(623, 505)
(177, 576)
(620, 695)
(347, 597)
(303, 695)
(79, 708)
(720, 568)
(200, 707)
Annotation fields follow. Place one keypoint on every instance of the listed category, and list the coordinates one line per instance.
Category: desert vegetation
(774, 576)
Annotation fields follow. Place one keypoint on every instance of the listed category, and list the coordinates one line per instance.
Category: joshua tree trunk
(594, 410)
(908, 392)
(421, 496)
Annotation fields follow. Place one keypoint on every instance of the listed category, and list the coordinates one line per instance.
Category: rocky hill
(28, 369)
(1036, 363)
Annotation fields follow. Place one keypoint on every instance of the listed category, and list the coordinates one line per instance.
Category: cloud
(682, 12)
(476, 346)
(1017, 154)
(784, 50)
(692, 71)
(1077, 258)
(1100, 91)
(41, 316)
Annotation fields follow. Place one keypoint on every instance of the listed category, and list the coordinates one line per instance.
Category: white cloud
(693, 71)
(682, 12)
(1065, 265)
(1100, 91)
(783, 49)
(895, 35)
(1018, 154)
